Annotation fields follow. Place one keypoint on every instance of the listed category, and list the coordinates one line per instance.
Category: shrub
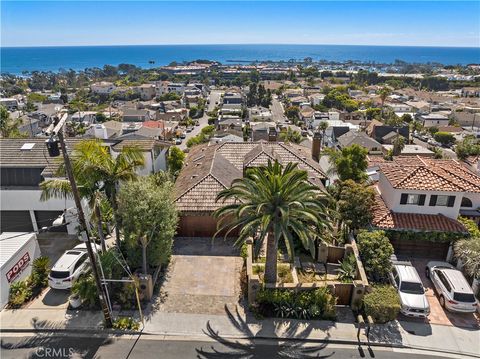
(126, 323)
(348, 269)
(127, 296)
(382, 304)
(86, 289)
(40, 271)
(375, 251)
(314, 304)
(20, 292)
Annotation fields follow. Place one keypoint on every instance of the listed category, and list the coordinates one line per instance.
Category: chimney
(100, 132)
(316, 145)
(272, 134)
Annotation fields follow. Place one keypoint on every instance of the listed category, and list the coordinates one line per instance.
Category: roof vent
(27, 146)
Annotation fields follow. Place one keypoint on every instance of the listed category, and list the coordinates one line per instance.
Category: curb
(166, 335)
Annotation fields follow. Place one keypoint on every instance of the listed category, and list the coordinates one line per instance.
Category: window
(466, 202)
(444, 281)
(464, 297)
(412, 288)
(80, 262)
(442, 200)
(412, 199)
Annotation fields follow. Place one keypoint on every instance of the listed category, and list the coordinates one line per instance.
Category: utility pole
(58, 131)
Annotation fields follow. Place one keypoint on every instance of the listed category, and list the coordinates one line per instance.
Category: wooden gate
(335, 254)
(343, 292)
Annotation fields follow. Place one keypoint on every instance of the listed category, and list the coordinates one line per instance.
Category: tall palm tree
(384, 93)
(93, 164)
(277, 203)
(95, 161)
(61, 188)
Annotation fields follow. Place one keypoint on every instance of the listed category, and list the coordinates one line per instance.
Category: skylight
(27, 146)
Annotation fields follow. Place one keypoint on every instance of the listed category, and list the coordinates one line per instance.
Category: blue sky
(60, 23)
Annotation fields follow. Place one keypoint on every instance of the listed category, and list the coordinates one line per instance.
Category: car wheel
(442, 301)
(427, 272)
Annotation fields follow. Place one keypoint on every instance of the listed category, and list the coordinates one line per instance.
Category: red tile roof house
(417, 194)
(210, 168)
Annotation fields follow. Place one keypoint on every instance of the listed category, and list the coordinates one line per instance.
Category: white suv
(70, 266)
(452, 288)
(405, 279)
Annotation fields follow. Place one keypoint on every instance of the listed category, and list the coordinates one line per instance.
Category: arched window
(466, 202)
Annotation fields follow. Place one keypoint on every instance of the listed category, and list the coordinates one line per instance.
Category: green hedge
(438, 237)
(382, 304)
(309, 304)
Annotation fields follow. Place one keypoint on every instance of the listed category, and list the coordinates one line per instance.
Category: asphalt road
(213, 97)
(143, 347)
(277, 111)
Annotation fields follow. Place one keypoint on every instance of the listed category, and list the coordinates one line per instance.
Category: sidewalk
(236, 325)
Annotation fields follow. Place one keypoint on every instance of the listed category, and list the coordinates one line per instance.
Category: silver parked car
(414, 303)
(452, 288)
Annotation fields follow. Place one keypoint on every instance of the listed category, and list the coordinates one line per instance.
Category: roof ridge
(284, 146)
(456, 176)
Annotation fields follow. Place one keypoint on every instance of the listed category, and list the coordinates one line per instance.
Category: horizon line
(235, 44)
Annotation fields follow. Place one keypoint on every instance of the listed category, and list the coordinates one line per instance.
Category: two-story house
(24, 165)
(422, 194)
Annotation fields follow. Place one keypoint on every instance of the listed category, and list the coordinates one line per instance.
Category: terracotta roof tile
(210, 168)
(418, 173)
(384, 218)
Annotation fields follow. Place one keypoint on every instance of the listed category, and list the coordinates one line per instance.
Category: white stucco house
(427, 195)
(102, 87)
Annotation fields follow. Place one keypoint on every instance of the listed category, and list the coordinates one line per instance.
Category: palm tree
(61, 188)
(277, 203)
(468, 251)
(290, 136)
(95, 168)
(323, 127)
(384, 93)
(95, 161)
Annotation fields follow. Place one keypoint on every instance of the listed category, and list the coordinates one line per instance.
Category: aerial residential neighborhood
(244, 200)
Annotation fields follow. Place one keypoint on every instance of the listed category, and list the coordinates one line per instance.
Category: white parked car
(414, 303)
(452, 288)
(71, 265)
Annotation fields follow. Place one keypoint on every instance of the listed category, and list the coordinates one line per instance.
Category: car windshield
(464, 297)
(411, 288)
(59, 274)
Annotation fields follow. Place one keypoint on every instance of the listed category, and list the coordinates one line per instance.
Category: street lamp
(55, 131)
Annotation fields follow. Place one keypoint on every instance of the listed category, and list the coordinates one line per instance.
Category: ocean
(15, 60)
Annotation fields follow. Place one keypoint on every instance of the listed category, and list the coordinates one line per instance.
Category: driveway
(438, 315)
(202, 277)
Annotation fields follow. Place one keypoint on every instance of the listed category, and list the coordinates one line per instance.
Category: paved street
(277, 110)
(213, 97)
(145, 346)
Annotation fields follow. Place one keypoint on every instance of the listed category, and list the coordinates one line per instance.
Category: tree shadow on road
(261, 345)
(56, 344)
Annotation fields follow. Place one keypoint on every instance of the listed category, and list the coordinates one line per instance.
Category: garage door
(16, 221)
(411, 248)
(46, 218)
